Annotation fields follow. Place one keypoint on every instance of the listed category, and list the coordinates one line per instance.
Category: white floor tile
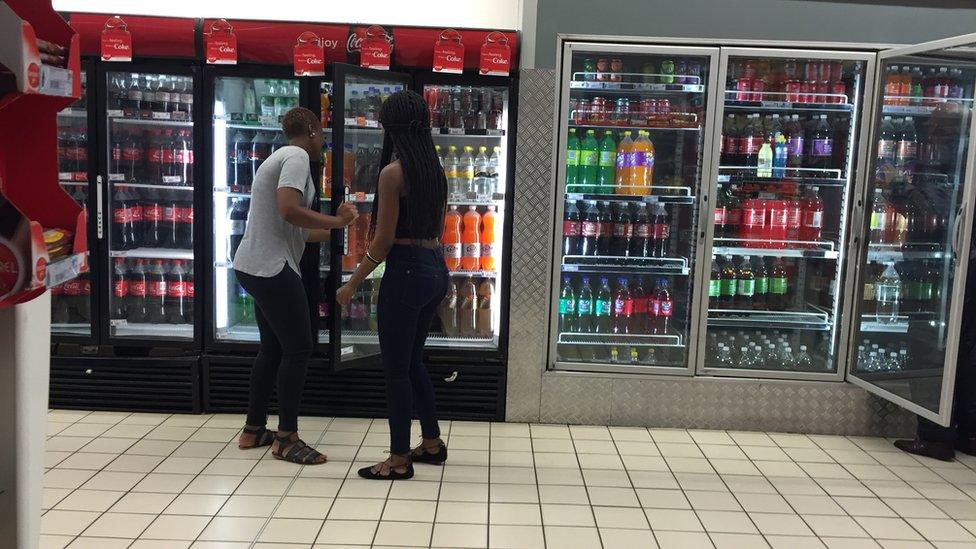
(241, 529)
(403, 534)
(888, 528)
(89, 542)
(572, 537)
(682, 540)
(518, 514)
(89, 500)
(504, 536)
(514, 493)
(737, 541)
(941, 530)
(567, 515)
(66, 523)
(176, 527)
(620, 517)
(463, 513)
(673, 519)
(637, 538)
(834, 526)
(460, 535)
(290, 530)
(357, 509)
(733, 522)
(410, 510)
(119, 525)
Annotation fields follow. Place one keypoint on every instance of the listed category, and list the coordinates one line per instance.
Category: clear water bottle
(888, 295)
(802, 361)
(872, 362)
(892, 363)
(902, 359)
(745, 358)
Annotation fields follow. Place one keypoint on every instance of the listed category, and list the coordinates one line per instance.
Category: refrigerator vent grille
(126, 384)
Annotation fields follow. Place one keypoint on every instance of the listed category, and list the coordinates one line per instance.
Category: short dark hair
(297, 121)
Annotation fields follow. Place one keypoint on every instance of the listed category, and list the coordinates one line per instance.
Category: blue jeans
(413, 286)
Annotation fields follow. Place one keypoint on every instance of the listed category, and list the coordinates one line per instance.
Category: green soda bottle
(572, 162)
(606, 164)
(589, 163)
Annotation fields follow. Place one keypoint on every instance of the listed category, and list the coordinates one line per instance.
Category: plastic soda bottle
(746, 288)
(567, 306)
(466, 170)
(780, 155)
(607, 164)
(765, 162)
(779, 283)
(623, 166)
(589, 163)
(572, 161)
(602, 307)
(888, 295)
(447, 311)
(468, 308)
(663, 307)
(487, 240)
(642, 162)
(451, 239)
(450, 163)
(623, 307)
(811, 225)
(471, 240)
(584, 307)
(484, 315)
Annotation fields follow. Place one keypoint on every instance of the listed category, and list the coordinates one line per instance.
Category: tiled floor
(173, 482)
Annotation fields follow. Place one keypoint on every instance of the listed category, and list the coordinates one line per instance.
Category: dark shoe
(966, 445)
(386, 471)
(262, 437)
(421, 455)
(936, 450)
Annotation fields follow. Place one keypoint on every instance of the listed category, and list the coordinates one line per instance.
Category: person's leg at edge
(263, 376)
(423, 389)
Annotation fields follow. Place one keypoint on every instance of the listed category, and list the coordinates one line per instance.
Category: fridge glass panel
(325, 206)
(786, 170)
(633, 166)
(468, 125)
(359, 167)
(71, 301)
(247, 128)
(149, 163)
(912, 212)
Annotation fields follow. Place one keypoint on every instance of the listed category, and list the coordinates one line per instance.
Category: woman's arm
(390, 183)
(319, 235)
(292, 210)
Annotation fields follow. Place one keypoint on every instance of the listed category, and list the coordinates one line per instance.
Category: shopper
(279, 224)
(933, 440)
(408, 215)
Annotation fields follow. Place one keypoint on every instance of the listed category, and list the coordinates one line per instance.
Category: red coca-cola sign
(496, 55)
(375, 47)
(116, 41)
(221, 44)
(448, 53)
(309, 57)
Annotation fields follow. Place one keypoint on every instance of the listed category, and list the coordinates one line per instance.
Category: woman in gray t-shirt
(279, 224)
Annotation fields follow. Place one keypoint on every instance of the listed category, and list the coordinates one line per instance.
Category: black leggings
(413, 285)
(281, 311)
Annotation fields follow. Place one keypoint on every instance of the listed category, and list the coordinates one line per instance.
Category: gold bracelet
(373, 259)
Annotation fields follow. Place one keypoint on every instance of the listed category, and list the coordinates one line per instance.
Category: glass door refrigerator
(635, 124)
(151, 135)
(74, 310)
(245, 106)
(471, 121)
(912, 269)
(778, 212)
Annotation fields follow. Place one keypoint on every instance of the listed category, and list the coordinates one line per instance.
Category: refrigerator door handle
(956, 226)
(99, 214)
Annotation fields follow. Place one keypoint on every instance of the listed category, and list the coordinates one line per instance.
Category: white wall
(490, 14)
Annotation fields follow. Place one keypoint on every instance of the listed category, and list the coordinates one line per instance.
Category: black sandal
(262, 437)
(421, 455)
(369, 474)
(298, 452)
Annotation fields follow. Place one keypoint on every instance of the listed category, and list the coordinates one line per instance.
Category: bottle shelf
(636, 87)
(239, 332)
(670, 339)
(625, 265)
(886, 253)
(253, 127)
(658, 193)
(805, 249)
(71, 328)
(497, 200)
(474, 274)
(633, 128)
(438, 340)
(769, 102)
(153, 253)
(874, 323)
(72, 183)
(164, 186)
(460, 132)
(792, 320)
(229, 193)
(942, 107)
(123, 328)
(118, 118)
(798, 176)
(73, 113)
(66, 268)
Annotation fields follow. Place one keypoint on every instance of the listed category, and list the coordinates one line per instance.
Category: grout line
(538, 489)
(631, 480)
(586, 487)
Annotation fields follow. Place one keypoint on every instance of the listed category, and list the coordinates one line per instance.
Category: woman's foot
(396, 467)
(288, 447)
(254, 436)
(431, 450)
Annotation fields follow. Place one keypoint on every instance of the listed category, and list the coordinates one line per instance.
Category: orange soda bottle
(451, 239)
(488, 239)
(642, 172)
(471, 240)
(624, 167)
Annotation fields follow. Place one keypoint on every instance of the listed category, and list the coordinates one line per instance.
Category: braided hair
(406, 131)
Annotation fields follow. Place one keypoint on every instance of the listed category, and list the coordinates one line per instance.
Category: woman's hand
(344, 294)
(347, 213)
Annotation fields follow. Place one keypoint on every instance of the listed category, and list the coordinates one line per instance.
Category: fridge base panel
(131, 384)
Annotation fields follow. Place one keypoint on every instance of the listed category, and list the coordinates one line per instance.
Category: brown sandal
(262, 437)
(297, 451)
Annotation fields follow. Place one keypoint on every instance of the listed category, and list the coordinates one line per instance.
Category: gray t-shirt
(269, 241)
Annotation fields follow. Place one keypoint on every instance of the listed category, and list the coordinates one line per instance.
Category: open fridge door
(916, 222)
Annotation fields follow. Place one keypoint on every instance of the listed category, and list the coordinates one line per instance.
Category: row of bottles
(769, 220)
(899, 219)
(634, 306)
(470, 175)
(151, 155)
(616, 229)
(792, 80)
(364, 102)
(609, 167)
(909, 85)
(623, 354)
(666, 71)
(155, 96)
(246, 151)
(465, 108)
(891, 289)
(773, 145)
(468, 240)
(151, 218)
(873, 357)
(750, 284)
(152, 291)
(767, 350)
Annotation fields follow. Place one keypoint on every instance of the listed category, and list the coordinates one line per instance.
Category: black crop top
(404, 230)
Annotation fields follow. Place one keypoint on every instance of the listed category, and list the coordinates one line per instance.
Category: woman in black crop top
(408, 215)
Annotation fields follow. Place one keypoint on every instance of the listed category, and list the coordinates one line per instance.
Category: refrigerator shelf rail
(791, 248)
(658, 193)
(625, 265)
(744, 318)
(153, 253)
(672, 339)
